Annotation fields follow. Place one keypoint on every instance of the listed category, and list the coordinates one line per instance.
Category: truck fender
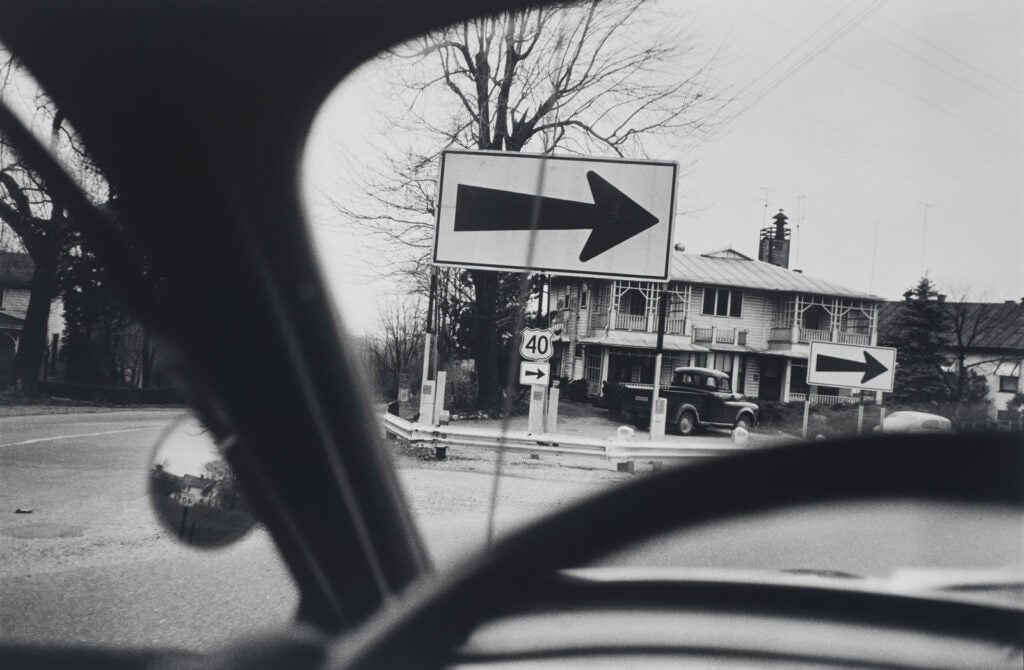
(682, 408)
(748, 412)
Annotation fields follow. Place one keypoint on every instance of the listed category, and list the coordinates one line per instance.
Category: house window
(722, 302)
(1008, 383)
(583, 298)
(593, 369)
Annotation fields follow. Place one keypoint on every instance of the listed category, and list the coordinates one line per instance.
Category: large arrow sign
(870, 366)
(612, 218)
(539, 374)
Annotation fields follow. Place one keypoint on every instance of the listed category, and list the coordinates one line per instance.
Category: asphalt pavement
(90, 564)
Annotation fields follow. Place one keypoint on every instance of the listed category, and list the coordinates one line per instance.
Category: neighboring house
(15, 288)
(753, 319)
(992, 336)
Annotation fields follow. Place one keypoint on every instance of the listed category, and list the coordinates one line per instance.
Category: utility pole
(925, 206)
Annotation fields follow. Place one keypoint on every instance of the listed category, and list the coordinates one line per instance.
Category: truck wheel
(688, 423)
(744, 422)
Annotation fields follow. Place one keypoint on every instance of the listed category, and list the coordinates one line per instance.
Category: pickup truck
(697, 397)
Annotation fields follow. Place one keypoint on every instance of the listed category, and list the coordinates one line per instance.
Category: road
(91, 564)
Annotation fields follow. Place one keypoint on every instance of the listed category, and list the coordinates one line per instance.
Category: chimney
(774, 246)
(942, 298)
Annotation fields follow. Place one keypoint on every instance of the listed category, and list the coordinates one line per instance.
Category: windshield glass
(528, 222)
(788, 190)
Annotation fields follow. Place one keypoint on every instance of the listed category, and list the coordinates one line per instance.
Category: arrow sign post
(851, 366)
(562, 215)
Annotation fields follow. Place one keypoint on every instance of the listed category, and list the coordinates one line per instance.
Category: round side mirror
(193, 490)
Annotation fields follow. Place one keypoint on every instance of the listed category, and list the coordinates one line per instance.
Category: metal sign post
(659, 407)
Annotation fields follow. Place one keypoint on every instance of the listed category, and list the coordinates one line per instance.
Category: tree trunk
(32, 343)
(485, 286)
(147, 359)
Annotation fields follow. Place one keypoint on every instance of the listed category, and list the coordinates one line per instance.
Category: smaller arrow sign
(532, 373)
(871, 367)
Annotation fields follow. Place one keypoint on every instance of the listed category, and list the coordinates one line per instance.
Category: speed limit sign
(535, 344)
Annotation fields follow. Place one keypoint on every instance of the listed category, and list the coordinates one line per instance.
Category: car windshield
(528, 223)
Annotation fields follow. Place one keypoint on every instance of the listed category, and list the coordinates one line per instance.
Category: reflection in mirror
(194, 491)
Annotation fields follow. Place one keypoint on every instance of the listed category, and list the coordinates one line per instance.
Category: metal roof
(719, 271)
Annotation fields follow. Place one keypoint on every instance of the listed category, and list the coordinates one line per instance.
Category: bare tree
(35, 213)
(395, 351)
(970, 325)
(575, 77)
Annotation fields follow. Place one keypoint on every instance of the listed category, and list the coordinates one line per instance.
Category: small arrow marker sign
(532, 373)
(870, 366)
(612, 218)
(851, 366)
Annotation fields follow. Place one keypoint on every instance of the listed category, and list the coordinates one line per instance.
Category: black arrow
(870, 367)
(613, 218)
(538, 373)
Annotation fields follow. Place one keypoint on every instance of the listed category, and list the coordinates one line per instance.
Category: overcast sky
(892, 132)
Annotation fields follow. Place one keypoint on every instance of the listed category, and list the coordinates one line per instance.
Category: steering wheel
(435, 617)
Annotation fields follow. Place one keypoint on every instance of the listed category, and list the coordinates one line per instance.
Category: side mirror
(194, 492)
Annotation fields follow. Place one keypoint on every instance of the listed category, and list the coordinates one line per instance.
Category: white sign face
(594, 217)
(535, 344)
(851, 366)
(533, 374)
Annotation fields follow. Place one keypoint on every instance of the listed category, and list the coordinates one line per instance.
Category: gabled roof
(16, 269)
(727, 252)
(733, 269)
(1001, 324)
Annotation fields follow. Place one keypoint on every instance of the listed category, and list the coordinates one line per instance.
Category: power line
(951, 55)
(859, 138)
(804, 60)
(849, 26)
(930, 63)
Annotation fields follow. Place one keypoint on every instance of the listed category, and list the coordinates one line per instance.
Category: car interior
(211, 248)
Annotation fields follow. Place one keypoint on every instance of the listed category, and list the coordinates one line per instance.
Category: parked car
(697, 397)
(915, 422)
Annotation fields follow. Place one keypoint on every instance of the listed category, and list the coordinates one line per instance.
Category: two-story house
(754, 319)
(15, 288)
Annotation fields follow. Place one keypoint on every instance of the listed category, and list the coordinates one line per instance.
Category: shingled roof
(1004, 323)
(729, 268)
(16, 269)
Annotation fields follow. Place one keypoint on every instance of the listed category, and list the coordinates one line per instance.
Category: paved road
(91, 564)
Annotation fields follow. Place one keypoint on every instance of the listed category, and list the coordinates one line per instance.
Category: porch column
(785, 380)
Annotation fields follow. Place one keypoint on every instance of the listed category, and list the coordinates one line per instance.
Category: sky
(890, 132)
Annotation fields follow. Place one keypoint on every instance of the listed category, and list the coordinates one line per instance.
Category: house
(991, 335)
(753, 319)
(15, 288)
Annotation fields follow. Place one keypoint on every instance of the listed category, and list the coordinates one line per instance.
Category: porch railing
(725, 336)
(630, 321)
(675, 326)
(852, 338)
(824, 399)
(702, 334)
(808, 335)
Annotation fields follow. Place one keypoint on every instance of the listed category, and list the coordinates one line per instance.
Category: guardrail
(610, 449)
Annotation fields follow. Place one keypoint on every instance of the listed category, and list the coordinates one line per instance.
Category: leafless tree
(395, 350)
(970, 325)
(35, 213)
(576, 77)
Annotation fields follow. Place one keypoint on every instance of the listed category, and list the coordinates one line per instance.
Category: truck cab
(696, 397)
